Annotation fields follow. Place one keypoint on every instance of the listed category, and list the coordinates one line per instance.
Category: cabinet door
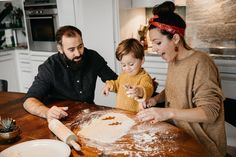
(8, 70)
(96, 19)
(38, 58)
(24, 70)
(227, 69)
(157, 68)
(66, 12)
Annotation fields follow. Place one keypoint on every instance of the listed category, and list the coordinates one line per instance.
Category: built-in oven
(42, 23)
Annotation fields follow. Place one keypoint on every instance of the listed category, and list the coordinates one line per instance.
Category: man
(70, 74)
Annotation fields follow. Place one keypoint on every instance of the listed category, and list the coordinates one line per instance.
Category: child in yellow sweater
(134, 84)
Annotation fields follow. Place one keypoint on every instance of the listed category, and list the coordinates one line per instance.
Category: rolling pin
(63, 133)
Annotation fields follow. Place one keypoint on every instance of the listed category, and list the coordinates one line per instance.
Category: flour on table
(107, 128)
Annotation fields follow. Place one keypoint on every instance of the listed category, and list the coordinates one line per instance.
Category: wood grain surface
(34, 127)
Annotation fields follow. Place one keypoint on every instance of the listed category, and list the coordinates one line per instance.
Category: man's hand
(56, 113)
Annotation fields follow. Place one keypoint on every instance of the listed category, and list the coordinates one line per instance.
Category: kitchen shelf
(15, 39)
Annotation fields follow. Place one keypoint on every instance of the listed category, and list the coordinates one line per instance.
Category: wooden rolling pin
(63, 133)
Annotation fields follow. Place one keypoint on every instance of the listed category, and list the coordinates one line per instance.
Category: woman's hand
(155, 114)
(56, 113)
(149, 103)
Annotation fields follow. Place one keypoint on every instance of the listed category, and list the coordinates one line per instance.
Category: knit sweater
(195, 82)
(142, 79)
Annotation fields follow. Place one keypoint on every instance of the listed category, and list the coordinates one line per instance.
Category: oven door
(41, 32)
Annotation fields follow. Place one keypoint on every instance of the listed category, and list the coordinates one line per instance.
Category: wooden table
(34, 127)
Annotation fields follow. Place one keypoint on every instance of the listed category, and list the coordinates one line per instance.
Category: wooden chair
(3, 85)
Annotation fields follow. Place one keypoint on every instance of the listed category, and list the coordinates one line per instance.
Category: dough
(107, 128)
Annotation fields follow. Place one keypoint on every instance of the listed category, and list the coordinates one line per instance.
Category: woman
(193, 96)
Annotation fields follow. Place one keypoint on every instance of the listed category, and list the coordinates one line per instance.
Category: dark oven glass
(42, 28)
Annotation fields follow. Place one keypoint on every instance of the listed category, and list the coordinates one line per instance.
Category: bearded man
(70, 74)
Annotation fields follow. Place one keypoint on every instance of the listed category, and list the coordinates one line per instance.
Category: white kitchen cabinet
(37, 58)
(8, 70)
(227, 69)
(98, 22)
(27, 63)
(157, 68)
(24, 70)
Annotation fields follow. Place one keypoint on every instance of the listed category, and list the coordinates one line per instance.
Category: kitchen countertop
(224, 56)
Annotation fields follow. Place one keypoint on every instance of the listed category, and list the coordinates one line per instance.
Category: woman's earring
(176, 49)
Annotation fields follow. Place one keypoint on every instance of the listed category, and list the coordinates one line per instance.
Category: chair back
(3, 85)
(230, 111)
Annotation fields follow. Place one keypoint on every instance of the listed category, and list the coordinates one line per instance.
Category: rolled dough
(107, 128)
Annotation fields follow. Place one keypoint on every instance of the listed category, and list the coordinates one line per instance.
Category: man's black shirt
(56, 80)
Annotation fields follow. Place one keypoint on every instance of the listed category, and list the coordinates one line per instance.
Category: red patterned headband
(168, 28)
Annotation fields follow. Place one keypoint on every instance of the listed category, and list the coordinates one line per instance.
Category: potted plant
(143, 36)
(8, 129)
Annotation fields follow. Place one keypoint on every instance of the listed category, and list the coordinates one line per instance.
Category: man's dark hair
(68, 31)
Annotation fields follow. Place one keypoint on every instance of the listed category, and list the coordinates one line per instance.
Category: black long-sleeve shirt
(56, 80)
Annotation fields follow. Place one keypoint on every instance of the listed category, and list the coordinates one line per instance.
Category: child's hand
(134, 91)
(148, 103)
(105, 90)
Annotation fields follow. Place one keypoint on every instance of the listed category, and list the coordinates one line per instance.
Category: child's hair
(130, 46)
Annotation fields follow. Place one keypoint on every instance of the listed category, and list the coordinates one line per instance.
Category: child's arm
(111, 86)
(142, 91)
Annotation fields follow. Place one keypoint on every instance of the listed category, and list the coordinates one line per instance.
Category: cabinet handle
(5, 54)
(28, 71)
(4, 60)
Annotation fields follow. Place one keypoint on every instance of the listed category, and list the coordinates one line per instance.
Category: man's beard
(72, 63)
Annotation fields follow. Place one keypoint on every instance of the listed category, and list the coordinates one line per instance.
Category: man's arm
(36, 107)
(103, 70)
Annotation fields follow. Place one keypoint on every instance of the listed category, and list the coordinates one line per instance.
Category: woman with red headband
(192, 95)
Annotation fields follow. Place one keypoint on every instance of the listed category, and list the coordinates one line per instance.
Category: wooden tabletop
(34, 127)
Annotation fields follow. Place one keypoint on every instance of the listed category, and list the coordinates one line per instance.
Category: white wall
(66, 13)
(130, 21)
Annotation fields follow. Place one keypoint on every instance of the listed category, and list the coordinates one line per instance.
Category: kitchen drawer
(227, 69)
(154, 58)
(156, 70)
(24, 55)
(157, 65)
(26, 80)
(6, 56)
(226, 66)
(229, 87)
(24, 64)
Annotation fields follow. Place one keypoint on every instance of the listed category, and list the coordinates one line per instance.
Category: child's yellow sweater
(142, 79)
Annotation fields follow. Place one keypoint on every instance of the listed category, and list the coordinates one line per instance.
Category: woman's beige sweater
(195, 82)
